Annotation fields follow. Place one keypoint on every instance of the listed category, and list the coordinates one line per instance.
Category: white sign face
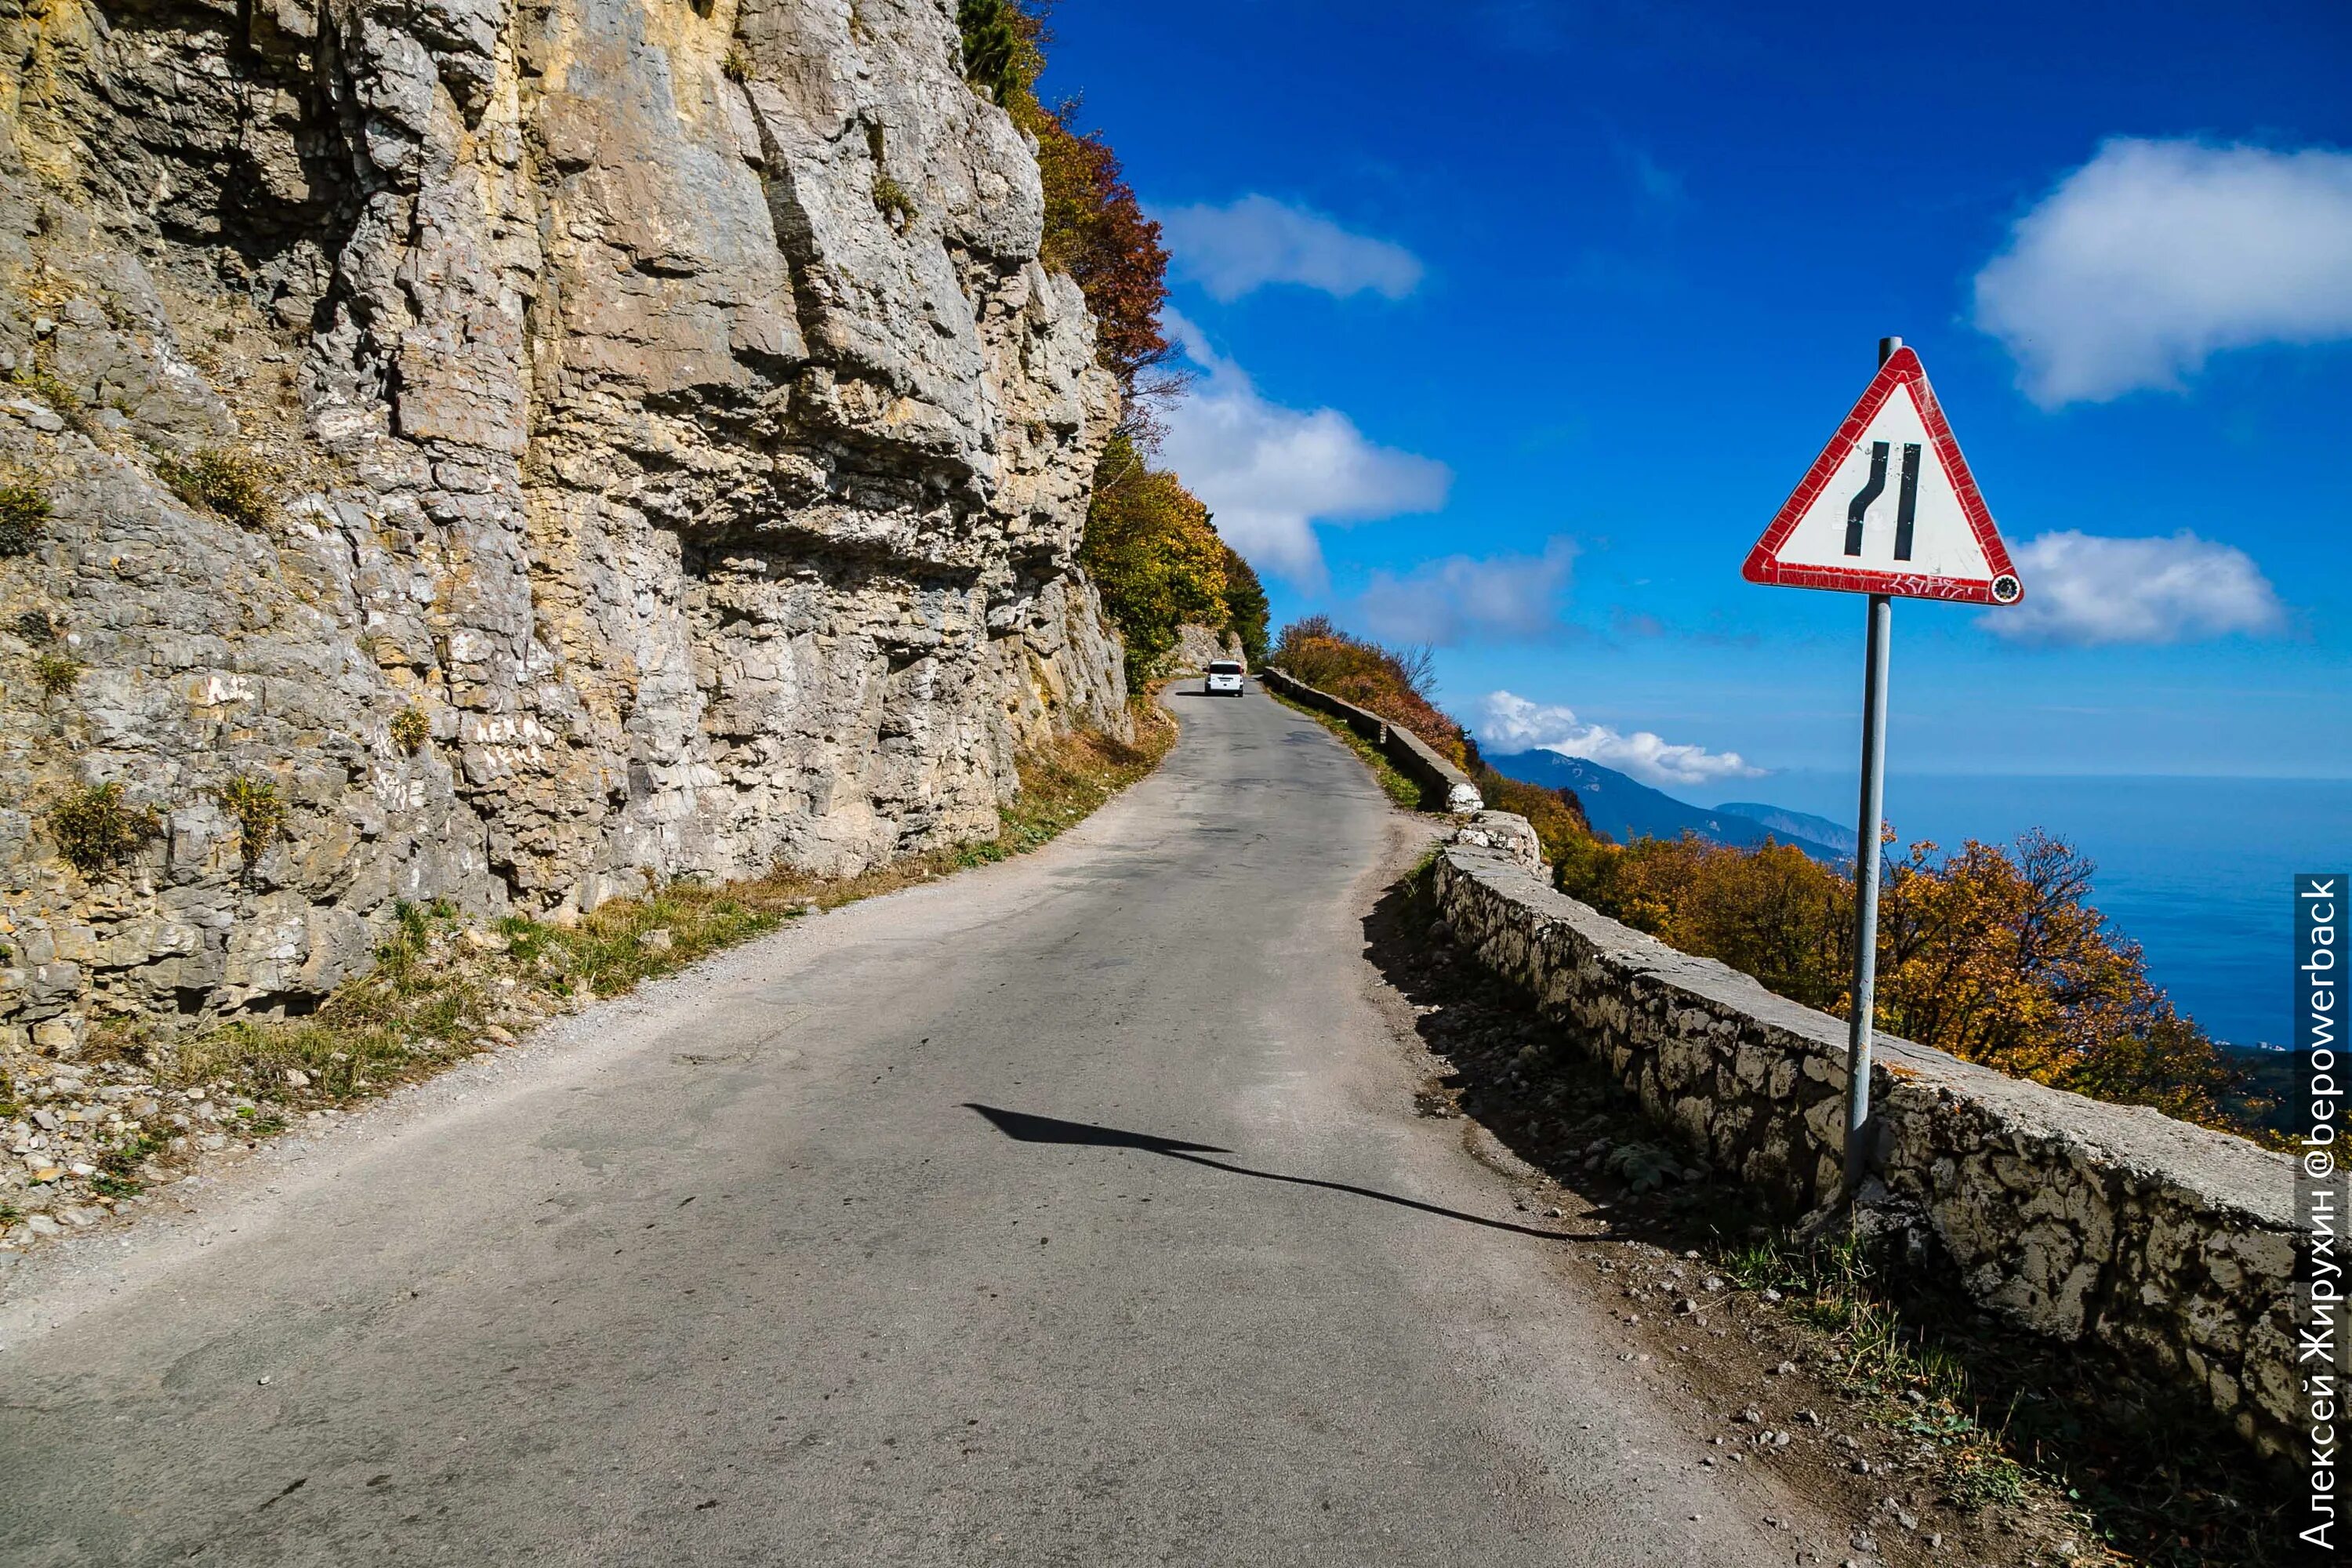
(1890, 507)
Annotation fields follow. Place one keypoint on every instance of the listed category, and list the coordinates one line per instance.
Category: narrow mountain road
(1070, 1211)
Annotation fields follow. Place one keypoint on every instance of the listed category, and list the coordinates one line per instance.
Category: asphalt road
(1069, 1212)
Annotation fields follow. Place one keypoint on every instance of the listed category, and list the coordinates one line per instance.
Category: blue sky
(1515, 322)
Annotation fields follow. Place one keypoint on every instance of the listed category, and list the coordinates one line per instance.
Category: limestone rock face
(1196, 646)
(678, 456)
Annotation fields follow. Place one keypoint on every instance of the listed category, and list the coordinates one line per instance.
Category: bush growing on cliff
(96, 830)
(1248, 614)
(999, 48)
(259, 813)
(25, 512)
(1096, 230)
(56, 673)
(1153, 556)
(411, 728)
(46, 385)
(236, 485)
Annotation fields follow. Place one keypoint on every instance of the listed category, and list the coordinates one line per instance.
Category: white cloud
(1512, 723)
(2085, 590)
(1465, 599)
(1232, 250)
(2156, 255)
(1271, 473)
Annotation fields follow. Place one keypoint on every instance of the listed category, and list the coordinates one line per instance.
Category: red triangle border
(1763, 565)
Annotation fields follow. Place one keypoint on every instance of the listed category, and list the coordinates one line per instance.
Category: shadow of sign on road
(1023, 1127)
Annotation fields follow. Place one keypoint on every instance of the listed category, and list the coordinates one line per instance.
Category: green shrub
(24, 512)
(736, 64)
(96, 830)
(234, 484)
(1248, 614)
(1153, 555)
(411, 728)
(891, 200)
(998, 56)
(1395, 683)
(259, 813)
(43, 384)
(57, 672)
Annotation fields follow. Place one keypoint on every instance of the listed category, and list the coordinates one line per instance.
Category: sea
(2196, 871)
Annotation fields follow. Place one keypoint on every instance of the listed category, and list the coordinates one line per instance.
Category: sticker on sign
(1890, 507)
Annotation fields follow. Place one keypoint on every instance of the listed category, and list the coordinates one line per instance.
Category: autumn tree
(1992, 954)
(1096, 230)
(1999, 957)
(1247, 614)
(1153, 556)
(1397, 684)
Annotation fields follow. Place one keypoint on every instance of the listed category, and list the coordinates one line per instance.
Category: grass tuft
(44, 385)
(56, 673)
(259, 813)
(411, 728)
(96, 830)
(25, 512)
(235, 484)
(891, 200)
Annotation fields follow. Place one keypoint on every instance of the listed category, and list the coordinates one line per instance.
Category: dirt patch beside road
(1938, 1436)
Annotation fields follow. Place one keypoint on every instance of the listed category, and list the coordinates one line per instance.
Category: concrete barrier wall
(2078, 1219)
(1407, 753)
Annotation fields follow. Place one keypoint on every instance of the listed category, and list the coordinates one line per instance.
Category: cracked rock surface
(647, 495)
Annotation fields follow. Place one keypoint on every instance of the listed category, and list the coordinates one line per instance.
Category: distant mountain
(1791, 824)
(1627, 810)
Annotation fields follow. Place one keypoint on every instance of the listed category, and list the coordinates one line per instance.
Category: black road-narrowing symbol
(1907, 506)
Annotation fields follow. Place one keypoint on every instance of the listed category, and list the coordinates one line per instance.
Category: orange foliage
(1096, 232)
(1393, 683)
(1992, 955)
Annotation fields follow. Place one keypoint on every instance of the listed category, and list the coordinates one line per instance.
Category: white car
(1224, 679)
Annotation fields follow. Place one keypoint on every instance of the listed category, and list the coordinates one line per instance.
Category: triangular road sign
(1889, 507)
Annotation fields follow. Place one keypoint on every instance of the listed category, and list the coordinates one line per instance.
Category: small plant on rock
(736, 64)
(58, 673)
(259, 812)
(96, 830)
(236, 485)
(44, 385)
(411, 728)
(24, 512)
(891, 200)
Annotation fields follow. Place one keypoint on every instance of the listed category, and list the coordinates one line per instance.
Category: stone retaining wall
(2082, 1220)
(1406, 752)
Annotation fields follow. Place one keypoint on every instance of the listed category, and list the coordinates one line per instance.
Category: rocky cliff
(530, 449)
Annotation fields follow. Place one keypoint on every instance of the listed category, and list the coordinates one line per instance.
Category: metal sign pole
(1865, 873)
